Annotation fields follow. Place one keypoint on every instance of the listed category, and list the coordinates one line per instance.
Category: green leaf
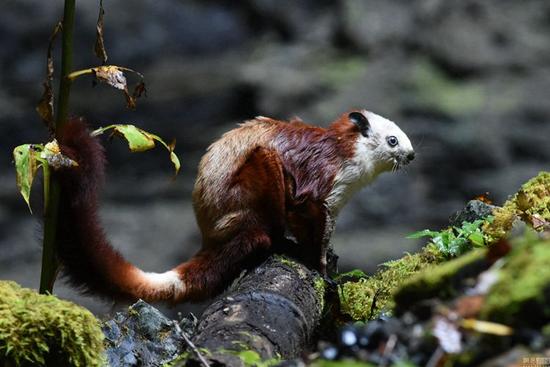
(441, 243)
(459, 246)
(26, 159)
(424, 233)
(477, 239)
(140, 140)
(468, 228)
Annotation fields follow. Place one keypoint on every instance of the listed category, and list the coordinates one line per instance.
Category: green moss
(36, 328)
(522, 293)
(292, 264)
(532, 199)
(356, 299)
(250, 358)
(320, 287)
(503, 219)
(178, 361)
(437, 280)
(286, 261)
(366, 298)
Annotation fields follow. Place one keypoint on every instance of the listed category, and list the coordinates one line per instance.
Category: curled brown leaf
(45, 107)
(113, 75)
(99, 47)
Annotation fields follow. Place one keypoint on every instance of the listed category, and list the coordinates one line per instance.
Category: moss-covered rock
(440, 281)
(365, 299)
(522, 293)
(532, 199)
(40, 329)
(417, 274)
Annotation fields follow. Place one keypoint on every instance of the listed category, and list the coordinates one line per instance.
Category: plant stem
(50, 265)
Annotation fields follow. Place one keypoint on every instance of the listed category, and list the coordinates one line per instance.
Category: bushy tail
(88, 259)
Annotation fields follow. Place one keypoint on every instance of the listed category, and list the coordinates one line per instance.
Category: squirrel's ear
(361, 121)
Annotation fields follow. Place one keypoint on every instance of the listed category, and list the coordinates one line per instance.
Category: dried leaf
(139, 90)
(26, 165)
(130, 101)
(99, 47)
(45, 107)
(52, 154)
(112, 75)
(539, 223)
(486, 327)
(140, 140)
(484, 198)
(469, 306)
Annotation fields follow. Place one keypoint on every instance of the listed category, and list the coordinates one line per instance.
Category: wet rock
(474, 210)
(142, 336)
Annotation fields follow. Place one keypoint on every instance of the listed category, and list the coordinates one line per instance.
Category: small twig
(436, 357)
(388, 349)
(195, 350)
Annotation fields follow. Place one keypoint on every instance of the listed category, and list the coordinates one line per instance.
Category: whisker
(419, 145)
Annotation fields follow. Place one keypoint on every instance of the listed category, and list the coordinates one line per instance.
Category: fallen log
(269, 312)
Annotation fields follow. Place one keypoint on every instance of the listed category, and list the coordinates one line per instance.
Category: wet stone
(142, 336)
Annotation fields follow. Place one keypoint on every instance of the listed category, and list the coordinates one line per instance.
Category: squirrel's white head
(386, 146)
(379, 146)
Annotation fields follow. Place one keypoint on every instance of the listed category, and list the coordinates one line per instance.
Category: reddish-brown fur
(264, 178)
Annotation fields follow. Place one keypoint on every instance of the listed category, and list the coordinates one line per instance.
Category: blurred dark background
(469, 82)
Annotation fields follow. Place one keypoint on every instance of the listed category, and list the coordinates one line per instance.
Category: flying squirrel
(255, 185)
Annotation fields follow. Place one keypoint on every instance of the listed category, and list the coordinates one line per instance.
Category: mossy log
(269, 312)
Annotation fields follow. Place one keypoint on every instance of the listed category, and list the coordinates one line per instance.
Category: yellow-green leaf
(175, 161)
(26, 165)
(140, 140)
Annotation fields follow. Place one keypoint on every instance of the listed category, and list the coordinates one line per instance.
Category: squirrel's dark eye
(392, 141)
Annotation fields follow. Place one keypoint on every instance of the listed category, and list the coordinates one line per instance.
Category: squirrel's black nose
(410, 156)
